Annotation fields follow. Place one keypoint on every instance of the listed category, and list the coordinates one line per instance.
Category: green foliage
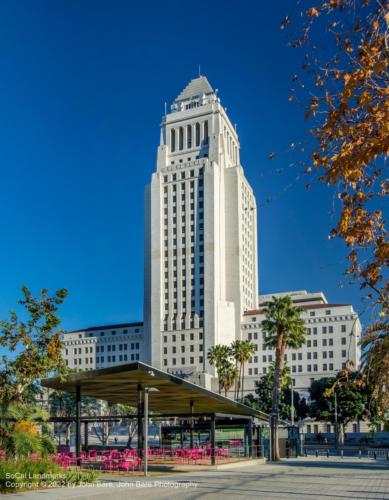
(264, 393)
(283, 318)
(241, 351)
(351, 398)
(76, 476)
(221, 356)
(227, 376)
(19, 432)
(35, 343)
(35, 473)
(283, 327)
(218, 355)
(40, 473)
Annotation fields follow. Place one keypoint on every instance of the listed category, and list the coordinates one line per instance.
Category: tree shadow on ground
(341, 464)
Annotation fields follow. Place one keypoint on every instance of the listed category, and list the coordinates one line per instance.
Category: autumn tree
(34, 344)
(344, 84)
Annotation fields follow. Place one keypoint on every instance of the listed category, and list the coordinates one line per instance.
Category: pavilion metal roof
(119, 384)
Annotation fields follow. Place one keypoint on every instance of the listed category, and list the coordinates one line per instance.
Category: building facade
(200, 235)
(201, 272)
(103, 346)
(333, 335)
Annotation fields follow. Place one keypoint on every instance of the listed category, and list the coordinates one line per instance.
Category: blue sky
(82, 92)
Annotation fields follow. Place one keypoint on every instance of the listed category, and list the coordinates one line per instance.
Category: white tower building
(200, 235)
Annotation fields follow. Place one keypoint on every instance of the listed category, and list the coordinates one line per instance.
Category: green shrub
(76, 476)
(35, 473)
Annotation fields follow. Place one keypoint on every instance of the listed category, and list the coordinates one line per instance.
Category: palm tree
(241, 351)
(218, 356)
(235, 353)
(283, 327)
(227, 376)
(20, 433)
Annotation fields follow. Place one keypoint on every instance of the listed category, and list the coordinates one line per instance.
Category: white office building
(201, 272)
(333, 335)
(200, 235)
(103, 346)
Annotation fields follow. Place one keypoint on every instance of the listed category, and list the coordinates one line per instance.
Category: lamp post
(291, 403)
(147, 390)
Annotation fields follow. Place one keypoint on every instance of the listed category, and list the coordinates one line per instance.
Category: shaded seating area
(207, 420)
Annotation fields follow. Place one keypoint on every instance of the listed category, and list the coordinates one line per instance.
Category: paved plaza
(303, 478)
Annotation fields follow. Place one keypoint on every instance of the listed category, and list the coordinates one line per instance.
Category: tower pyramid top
(195, 88)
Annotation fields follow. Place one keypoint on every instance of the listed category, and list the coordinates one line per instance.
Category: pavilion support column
(250, 438)
(78, 422)
(139, 419)
(86, 436)
(213, 439)
(191, 423)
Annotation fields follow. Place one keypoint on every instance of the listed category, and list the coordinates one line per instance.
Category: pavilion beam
(213, 439)
(78, 422)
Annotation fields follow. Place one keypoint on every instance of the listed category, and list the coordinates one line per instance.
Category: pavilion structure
(168, 396)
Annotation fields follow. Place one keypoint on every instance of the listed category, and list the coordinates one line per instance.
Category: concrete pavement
(300, 479)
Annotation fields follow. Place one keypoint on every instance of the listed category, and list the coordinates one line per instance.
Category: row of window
(174, 349)
(299, 356)
(298, 369)
(121, 347)
(189, 137)
(100, 348)
(183, 361)
(182, 325)
(113, 332)
(181, 176)
(183, 337)
(309, 343)
(121, 357)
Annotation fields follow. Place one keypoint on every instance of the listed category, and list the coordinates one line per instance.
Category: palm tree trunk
(242, 392)
(239, 381)
(279, 365)
(236, 388)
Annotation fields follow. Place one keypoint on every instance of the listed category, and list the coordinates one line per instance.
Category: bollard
(341, 453)
(328, 453)
(375, 456)
(317, 453)
(387, 455)
(360, 453)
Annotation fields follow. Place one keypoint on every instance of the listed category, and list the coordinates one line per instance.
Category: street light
(291, 403)
(147, 390)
